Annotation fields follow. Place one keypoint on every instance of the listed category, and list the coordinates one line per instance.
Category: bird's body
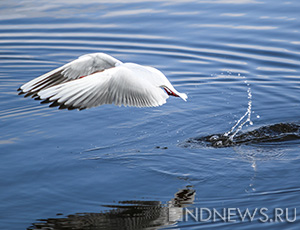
(97, 79)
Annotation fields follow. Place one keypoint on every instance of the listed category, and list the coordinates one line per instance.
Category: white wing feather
(83, 66)
(119, 86)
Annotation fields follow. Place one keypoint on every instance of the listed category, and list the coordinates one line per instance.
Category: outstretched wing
(83, 66)
(119, 86)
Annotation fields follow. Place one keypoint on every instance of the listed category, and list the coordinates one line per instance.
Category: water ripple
(72, 162)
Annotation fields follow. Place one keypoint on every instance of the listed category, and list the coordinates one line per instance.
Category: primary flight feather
(96, 79)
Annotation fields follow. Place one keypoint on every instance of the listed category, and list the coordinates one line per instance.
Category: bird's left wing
(81, 67)
(119, 86)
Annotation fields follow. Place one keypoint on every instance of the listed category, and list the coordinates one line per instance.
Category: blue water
(98, 168)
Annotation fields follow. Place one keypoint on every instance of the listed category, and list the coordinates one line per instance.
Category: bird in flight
(98, 78)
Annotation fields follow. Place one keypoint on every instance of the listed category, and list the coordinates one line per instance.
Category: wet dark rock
(272, 133)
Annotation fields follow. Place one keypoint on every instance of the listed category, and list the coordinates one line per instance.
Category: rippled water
(103, 165)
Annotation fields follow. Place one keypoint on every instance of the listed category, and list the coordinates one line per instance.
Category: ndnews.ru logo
(233, 214)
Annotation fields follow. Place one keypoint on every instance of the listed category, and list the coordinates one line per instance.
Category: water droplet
(257, 116)
(242, 121)
(219, 143)
(254, 165)
(214, 138)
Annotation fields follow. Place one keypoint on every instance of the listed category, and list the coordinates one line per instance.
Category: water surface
(62, 165)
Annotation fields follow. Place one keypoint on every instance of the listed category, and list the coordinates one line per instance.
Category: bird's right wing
(81, 67)
(119, 86)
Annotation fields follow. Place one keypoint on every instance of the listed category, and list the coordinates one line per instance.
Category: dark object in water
(272, 133)
(134, 215)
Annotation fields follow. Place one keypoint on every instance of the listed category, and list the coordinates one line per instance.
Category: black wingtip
(29, 94)
(69, 107)
(62, 106)
(35, 95)
(46, 101)
(54, 104)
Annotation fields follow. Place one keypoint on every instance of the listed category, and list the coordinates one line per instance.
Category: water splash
(226, 139)
(242, 121)
(274, 133)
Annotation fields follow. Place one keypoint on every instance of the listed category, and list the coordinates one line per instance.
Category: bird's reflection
(125, 215)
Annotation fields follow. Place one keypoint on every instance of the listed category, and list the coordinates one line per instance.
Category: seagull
(98, 78)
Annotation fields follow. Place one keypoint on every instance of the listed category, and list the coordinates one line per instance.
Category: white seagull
(98, 78)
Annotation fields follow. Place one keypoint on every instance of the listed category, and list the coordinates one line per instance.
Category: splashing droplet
(239, 124)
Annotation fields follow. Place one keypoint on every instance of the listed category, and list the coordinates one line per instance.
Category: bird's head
(173, 92)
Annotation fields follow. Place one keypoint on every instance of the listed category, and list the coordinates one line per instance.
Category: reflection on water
(125, 215)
